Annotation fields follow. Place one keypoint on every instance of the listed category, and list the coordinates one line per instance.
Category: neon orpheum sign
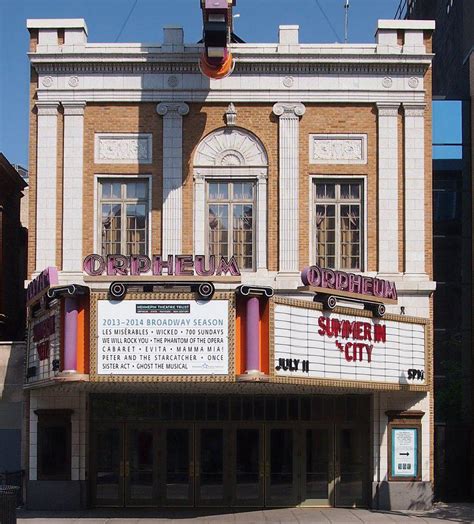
(172, 265)
(332, 281)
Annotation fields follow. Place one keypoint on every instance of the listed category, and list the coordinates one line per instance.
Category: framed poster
(162, 337)
(404, 444)
(404, 452)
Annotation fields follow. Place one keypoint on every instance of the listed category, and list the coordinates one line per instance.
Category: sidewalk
(440, 513)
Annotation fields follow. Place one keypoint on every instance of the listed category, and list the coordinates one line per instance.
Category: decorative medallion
(73, 81)
(413, 82)
(173, 81)
(387, 82)
(47, 81)
(288, 81)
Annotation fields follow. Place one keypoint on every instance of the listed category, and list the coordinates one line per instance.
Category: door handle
(122, 469)
(127, 468)
(196, 471)
(191, 469)
(262, 471)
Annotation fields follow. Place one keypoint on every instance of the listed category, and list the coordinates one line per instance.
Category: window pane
(111, 190)
(218, 229)
(325, 191)
(243, 190)
(350, 236)
(218, 191)
(136, 229)
(111, 229)
(325, 234)
(243, 234)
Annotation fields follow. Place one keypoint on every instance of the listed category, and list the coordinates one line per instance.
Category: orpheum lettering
(319, 277)
(44, 329)
(360, 334)
(179, 265)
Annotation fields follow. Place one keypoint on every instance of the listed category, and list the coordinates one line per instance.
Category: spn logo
(416, 374)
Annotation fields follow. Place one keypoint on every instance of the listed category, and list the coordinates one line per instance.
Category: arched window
(230, 197)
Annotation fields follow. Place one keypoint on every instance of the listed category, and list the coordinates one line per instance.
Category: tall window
(338, 224)
(123, 217)
(231, 219)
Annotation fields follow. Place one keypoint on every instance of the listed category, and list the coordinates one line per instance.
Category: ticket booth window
(54, 444)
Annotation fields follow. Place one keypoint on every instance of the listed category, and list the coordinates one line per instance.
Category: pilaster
(47, 145)
(414, 189)
(289, 116)
(72, 185)
(200, 226)
(172, 211)
(388, 188)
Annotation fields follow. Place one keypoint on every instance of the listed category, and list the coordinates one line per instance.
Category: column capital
(47, 108)
(73, 108)
(387, 108)
(414, 109)
(289, 109)
(172, 108)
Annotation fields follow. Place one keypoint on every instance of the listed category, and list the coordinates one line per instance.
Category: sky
(258, 22)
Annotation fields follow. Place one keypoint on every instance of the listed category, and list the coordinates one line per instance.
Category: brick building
(13, 240)
(210, 274)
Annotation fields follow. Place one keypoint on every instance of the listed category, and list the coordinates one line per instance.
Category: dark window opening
(54, 444)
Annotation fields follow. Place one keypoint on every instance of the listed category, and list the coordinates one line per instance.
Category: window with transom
(338, 218)
(123, 211)
(231, 220)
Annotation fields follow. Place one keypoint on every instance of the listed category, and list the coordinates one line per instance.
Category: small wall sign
(404, 452)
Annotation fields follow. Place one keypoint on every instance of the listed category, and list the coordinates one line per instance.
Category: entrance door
(351, 466)
(281, 463)
(107, 465)
(212, 466)
(177, 466)
(248, 466)
(317, 477)
(140, 470)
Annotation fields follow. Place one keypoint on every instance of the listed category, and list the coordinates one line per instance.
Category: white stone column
(261, 217)
(46, 175)
(72, 185)
(172, 212)
(414, 189)
(388, 187)
(200, 226)
(289, 117)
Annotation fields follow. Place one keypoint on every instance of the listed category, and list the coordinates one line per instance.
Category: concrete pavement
(440, 513)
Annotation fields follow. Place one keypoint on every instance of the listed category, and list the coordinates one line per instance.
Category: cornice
(49, 64)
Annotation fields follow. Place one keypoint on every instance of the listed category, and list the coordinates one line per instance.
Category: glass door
(107, 465)
(211, 468)
(280, 466)
(317, 478)
(140, 466)
(248, 466)
(351, 465)
(177, 463)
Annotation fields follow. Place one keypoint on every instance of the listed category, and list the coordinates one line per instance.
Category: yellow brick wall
(122, 118)
(334, 119)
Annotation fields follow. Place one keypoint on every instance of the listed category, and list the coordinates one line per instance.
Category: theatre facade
(230, 281)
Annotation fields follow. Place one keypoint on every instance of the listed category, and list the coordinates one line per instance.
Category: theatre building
(230, 284)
